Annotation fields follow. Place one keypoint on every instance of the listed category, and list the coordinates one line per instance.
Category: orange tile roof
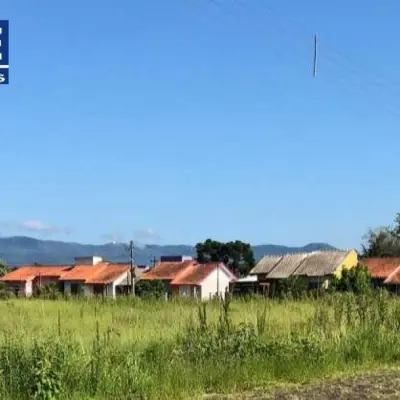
(101, 273)
(381, 267)
(168, 270)
(195, 274)
(29, 272)
(83, 272)
(110, 274)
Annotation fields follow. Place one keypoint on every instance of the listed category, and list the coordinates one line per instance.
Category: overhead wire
(364, 82)
(224, 11)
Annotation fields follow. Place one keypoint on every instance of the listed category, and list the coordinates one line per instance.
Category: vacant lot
(382, 385)
(179, 350)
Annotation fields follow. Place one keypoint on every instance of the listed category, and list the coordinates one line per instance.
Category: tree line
(383, 241)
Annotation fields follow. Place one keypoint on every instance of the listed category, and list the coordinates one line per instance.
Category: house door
(98, 290)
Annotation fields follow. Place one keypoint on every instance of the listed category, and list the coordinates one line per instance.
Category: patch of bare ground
(383, 385)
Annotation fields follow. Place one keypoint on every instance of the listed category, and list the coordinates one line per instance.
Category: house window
(187, 290)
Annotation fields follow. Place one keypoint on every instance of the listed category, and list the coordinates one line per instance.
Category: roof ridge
(300, 264)
(277, 263)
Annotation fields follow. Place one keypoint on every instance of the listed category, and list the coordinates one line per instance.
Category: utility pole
(153, 262)
(315, 59)
(131, 248)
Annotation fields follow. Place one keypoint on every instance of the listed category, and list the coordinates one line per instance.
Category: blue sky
(173, 121)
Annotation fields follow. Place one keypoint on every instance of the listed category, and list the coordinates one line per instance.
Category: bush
(5, 294)
(356, 280)
(150, 289)
(49, 291)
(293, 287)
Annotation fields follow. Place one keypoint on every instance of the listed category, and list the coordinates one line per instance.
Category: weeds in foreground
(222, 350)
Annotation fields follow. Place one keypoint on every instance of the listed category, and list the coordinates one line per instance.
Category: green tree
(237, 256)
(356, 280)
(4, 269)
(383, 242)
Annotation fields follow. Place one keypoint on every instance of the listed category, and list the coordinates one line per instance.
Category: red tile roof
(83, 272)
(168, 270)
(101, 273)
(381, 267)
(110, 274)
(196, 274)
(29, 272)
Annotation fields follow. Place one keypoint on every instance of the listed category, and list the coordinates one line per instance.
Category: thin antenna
(315, 56)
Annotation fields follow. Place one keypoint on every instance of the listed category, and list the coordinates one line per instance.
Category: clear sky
(173, 121)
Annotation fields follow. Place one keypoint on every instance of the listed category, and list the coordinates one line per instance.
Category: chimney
(90, 261)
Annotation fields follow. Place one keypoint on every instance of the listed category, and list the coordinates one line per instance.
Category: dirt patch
(385, 385)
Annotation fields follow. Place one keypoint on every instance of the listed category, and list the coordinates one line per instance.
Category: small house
(25, 281)
(187, 278)
(167, 271)
(203, 281)
(102, 279)
(382, 271)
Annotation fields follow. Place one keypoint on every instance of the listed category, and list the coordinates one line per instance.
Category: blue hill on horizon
(20, 250)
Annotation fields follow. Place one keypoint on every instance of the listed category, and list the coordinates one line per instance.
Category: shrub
(5, 294)
(49, 291)
(45, 379)
(150, 289)
(293, 287)
(356, 280)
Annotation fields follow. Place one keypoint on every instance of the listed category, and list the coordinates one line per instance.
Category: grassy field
(179, 350)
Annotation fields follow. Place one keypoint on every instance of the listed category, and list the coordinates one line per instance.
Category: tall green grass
(129, 348)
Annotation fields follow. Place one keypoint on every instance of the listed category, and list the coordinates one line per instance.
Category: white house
(24, 281)
(97, 278)
(203, 281)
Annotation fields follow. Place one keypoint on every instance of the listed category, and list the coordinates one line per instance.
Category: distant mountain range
(20, 250)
